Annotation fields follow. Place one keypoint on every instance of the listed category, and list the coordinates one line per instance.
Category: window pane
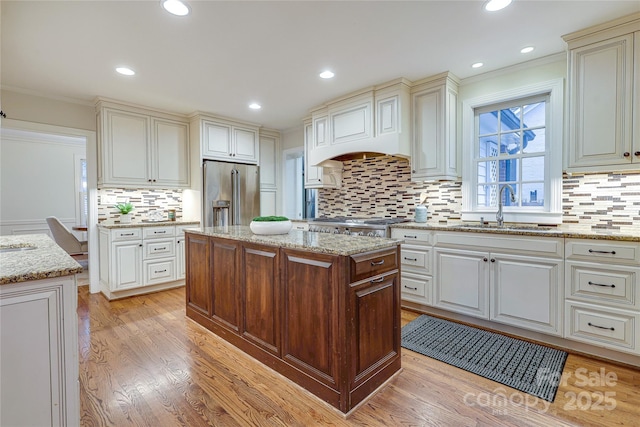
(488, 146)
(488, 122)
(510, 143)
(533, 168)
(508, 170)
(533, 194)
(534, 115)
(487, 196)
(487, 172)
(535, 141)
(510, 119)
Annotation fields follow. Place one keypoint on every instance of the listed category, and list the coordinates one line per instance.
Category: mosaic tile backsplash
(143, 201)
(382, 187)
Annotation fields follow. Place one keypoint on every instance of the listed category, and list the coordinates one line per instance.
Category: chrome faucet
(499, 218)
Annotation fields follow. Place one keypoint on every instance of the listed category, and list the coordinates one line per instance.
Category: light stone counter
(20, 263)
(629, 233)
(116, 224)
(336, 244)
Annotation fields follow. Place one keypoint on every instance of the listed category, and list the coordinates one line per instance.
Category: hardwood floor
(143, 363)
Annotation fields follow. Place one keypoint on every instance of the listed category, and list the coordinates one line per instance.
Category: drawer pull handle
(159, 232)
(411, 259)
(380, 280)
(601, 327)
(159, 249)
(161, 271)
(410, 237)
(591, 251)
(600, 284)
(377, 262)
(127, 234)
(409, 287)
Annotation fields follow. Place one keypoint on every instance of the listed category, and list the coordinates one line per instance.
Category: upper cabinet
(269, 167)
(372, 120)
(227, 140)
(328, 176)
(604, 97)
(434, 148)
(141, 148)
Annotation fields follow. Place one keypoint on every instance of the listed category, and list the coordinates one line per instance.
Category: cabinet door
(180, 260)
(320, 137)
(600, 117)
(526, 292)
(245, 145)
(312, 174)
(170, 153)
(350, 124)
(387, 116)
(262, 296)
(127, 265)
(198, 289)
(268, 202)
(125, 144)
(428, 124)
(225, 309)
(216, 141)
(462, 281)
(311, 322)
(268, 162)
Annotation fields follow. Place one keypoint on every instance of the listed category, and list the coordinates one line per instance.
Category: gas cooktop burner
(376, 227)
(371, 221)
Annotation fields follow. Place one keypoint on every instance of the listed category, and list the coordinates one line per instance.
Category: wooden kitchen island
(321, 309)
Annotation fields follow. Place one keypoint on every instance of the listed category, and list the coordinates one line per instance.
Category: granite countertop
(335, 244)
(116, 224)
(20, 263)
(629, 233)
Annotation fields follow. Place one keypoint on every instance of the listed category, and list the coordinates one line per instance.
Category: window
(514, 139)
(82, 200)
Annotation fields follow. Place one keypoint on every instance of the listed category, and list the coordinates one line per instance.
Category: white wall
(38, 177)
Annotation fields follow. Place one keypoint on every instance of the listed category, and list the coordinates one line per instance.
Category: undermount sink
(16, 248)
(507, 227)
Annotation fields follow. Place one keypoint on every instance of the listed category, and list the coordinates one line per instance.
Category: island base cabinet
(300, 312)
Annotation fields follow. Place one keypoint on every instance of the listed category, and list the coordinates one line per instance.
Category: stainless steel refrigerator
(234, 185)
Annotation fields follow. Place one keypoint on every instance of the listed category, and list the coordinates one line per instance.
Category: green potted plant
(125, 212)
(270, 225)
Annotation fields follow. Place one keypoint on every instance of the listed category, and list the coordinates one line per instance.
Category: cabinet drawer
(604, 251)
(159, 248)
(616, 285)
(616, 329)
(416, 258)
(416, 288)
(126, 234)
(373, 263)
(412, 236)
(153, 232)
(159, 271)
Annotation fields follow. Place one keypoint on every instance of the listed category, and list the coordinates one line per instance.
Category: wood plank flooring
(143, 363)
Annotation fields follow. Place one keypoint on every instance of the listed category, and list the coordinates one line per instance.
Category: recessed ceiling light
(494, 5)
(326, 74)
(175, 7)
(526, 49)
(477, 65)
(255, 106)
(125, 71)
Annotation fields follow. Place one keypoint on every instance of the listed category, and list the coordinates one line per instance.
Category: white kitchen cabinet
(269, 167)
(604, 110)
(602, 288)
(228, 141)
(319, 176)
(138, 260)
(416, 265)
(434, 147)
(140, 148)
(375, 119)
(39, 364)
(515, 280)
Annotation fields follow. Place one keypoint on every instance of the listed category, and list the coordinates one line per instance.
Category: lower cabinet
(136, 260)
(39, 364)
(522, 287)
(330, 323)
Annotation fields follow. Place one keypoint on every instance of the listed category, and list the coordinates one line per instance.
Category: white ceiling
(226, 54)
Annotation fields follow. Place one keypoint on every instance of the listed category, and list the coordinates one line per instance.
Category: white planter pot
(125, 218)
(270, 227)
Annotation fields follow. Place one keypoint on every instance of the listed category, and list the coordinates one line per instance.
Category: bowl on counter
(270, 227)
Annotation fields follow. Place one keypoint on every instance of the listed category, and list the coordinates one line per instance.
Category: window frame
(551, 213)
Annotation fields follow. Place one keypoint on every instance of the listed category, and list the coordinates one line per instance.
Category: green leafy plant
(270, 218)
(124, 208)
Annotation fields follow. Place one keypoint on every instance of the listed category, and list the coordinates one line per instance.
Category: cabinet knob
(626, 154)
(413, 171)
(485, 259)
(493, 260)
(140, 245)
(637, 153)
(230, 154)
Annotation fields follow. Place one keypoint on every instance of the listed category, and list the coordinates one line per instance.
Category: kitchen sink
(10, 248)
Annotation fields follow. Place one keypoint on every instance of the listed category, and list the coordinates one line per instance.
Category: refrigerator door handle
(235, 183)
